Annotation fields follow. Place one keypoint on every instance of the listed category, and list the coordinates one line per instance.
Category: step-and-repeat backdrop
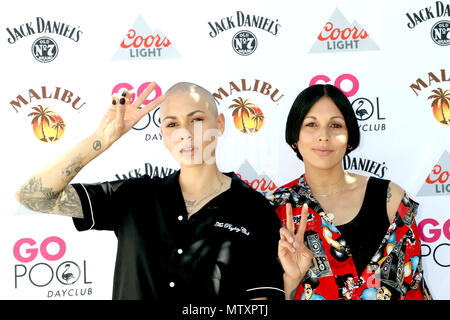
(61, 62)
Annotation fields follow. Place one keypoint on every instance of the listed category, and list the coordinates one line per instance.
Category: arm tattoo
(41, 199)
(69, 203)
(72, 169)
(389, 194)
(36, 197)
(97, 145)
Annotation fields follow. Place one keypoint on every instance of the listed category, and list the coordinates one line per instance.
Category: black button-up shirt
(226, 250)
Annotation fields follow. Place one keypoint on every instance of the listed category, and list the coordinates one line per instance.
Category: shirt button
(180, 218)
(180, 251)
(171, 284)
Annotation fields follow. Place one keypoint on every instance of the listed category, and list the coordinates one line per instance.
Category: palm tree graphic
(58, 125)
(242, 107)
(441, 99)
(42, 116)
(257, 117)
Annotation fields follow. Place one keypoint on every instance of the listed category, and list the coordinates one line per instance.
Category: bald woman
(196, 235)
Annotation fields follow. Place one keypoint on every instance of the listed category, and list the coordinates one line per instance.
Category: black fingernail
(114, 101)
(124, 94)
(122, 100)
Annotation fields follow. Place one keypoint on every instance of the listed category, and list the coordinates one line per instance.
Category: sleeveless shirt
(365, 232)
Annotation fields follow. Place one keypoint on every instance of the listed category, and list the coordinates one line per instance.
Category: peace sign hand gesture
(122, 115)
(294, 255)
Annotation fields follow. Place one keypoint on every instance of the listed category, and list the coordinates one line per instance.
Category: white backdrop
(389, 70)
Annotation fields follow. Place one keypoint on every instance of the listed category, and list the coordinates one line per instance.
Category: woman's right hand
(122, 116)
(294, 255)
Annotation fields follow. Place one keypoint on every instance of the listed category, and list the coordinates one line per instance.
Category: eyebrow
(193, 112)
(190, 114)
(333, 117)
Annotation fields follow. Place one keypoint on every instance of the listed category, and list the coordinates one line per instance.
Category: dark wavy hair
(304, 102)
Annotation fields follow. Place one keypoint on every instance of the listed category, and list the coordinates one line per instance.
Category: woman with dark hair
(338, 224)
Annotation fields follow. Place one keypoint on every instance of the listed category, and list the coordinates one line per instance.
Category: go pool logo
(42, 265)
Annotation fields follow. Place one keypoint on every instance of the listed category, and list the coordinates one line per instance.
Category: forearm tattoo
(72, 169)
(97, 145)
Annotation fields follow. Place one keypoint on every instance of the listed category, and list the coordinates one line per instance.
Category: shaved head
(200, 95)
(190, 124)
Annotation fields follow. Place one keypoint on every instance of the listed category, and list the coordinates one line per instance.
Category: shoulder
(244, 192)
(146, 180)
(399, 202)
(136, 186)
(395, 194)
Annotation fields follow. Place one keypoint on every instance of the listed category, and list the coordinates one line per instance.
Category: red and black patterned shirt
(394, 271)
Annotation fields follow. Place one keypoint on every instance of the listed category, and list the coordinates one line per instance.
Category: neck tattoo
(191, 205)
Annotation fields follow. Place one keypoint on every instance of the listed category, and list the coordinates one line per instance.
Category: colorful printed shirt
(394, 272)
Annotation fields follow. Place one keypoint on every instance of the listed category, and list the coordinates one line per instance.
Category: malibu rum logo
(48, 125)
(440, 97)
(245, 106)
(440, 104)
(247, 117)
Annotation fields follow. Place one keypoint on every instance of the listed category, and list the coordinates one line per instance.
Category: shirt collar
(172, 182)
(304, 190)
(173, 196)
(297, 195)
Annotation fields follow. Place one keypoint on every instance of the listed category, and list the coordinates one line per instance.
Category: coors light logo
(141, 42)
(259, 182)
(437, 182)
(340, 35)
